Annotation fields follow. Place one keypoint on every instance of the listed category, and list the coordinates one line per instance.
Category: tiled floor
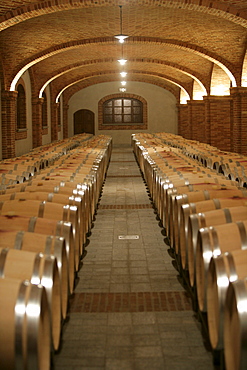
(129, 310)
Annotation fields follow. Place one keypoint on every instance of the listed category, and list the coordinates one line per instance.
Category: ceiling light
(121, 37)
(123, 74)
(123, 83)
(122, 89)
(122, 61)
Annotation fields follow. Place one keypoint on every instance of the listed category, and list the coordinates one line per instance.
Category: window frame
(114, 106)
(123, 125)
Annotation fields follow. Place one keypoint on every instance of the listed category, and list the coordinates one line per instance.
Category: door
(83, 121)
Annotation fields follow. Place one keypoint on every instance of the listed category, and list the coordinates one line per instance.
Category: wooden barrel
(54, 198)
(161, 181)
(235, 326)
(199, 207)
(161, 176)
(48, 210)
(211, 242)
(206, 219)
(227, 267)
(20, 166)
(25, 174)
(180, 190)
(86, 185)
(38, 269)
(195, 196)
(87, 179)
(70, 189)
(25, 339)
(8, 179)
(46, 244)
(45, 227)
(58, 187)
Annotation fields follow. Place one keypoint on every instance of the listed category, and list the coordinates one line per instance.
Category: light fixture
(122, 61)
(122, 89)
(123, 74)
(123, 83)
(121, 37)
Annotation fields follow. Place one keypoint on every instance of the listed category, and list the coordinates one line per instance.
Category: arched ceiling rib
(155, 80)
(11, 14)
(177, 39)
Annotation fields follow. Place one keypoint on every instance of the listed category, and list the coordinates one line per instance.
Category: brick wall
(220, 121)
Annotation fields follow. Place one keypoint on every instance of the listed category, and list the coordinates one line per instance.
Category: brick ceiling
(71, 42)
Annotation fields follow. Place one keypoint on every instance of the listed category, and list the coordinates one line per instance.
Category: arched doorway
(83, 121)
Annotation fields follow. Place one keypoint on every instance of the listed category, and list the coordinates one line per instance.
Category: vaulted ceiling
(70, 44)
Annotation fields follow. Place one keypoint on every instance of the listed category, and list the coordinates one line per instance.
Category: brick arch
(187, 71)
(216, 8)
(73, 89)
(144, 126)
(224, 64)
(98, 79)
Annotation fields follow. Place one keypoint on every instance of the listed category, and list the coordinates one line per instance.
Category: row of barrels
(231, 165)
(20, 169)
(44, 224)
(204, 216)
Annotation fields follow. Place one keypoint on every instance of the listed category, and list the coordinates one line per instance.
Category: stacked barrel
(200, 196)
(45, 219)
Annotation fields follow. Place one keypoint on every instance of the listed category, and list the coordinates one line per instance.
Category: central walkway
(129, 310)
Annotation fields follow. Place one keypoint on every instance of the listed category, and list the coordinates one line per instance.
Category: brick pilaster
(183, 120)
(37, 121)
(196, 120)
(219, 121)
(239, 131)
(54, 122)
(65, 120)
(9, 99)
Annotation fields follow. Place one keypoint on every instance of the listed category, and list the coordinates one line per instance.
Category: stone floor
(130, 310)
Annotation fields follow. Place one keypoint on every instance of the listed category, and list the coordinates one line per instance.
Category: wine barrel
(46, 244)
(206, 219)
(235, 326)
(8, 179)
(161, 178)
(70, 189)
(227, 267)
(38, 269)
(212, 241)
(86, 183)
(25, 174)
(54, 198)
(25, 339)
(194, 196)
(199, 207)
(48, 210)
(197, 196)
(20, 166)
(45, 227)
(58, 187)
